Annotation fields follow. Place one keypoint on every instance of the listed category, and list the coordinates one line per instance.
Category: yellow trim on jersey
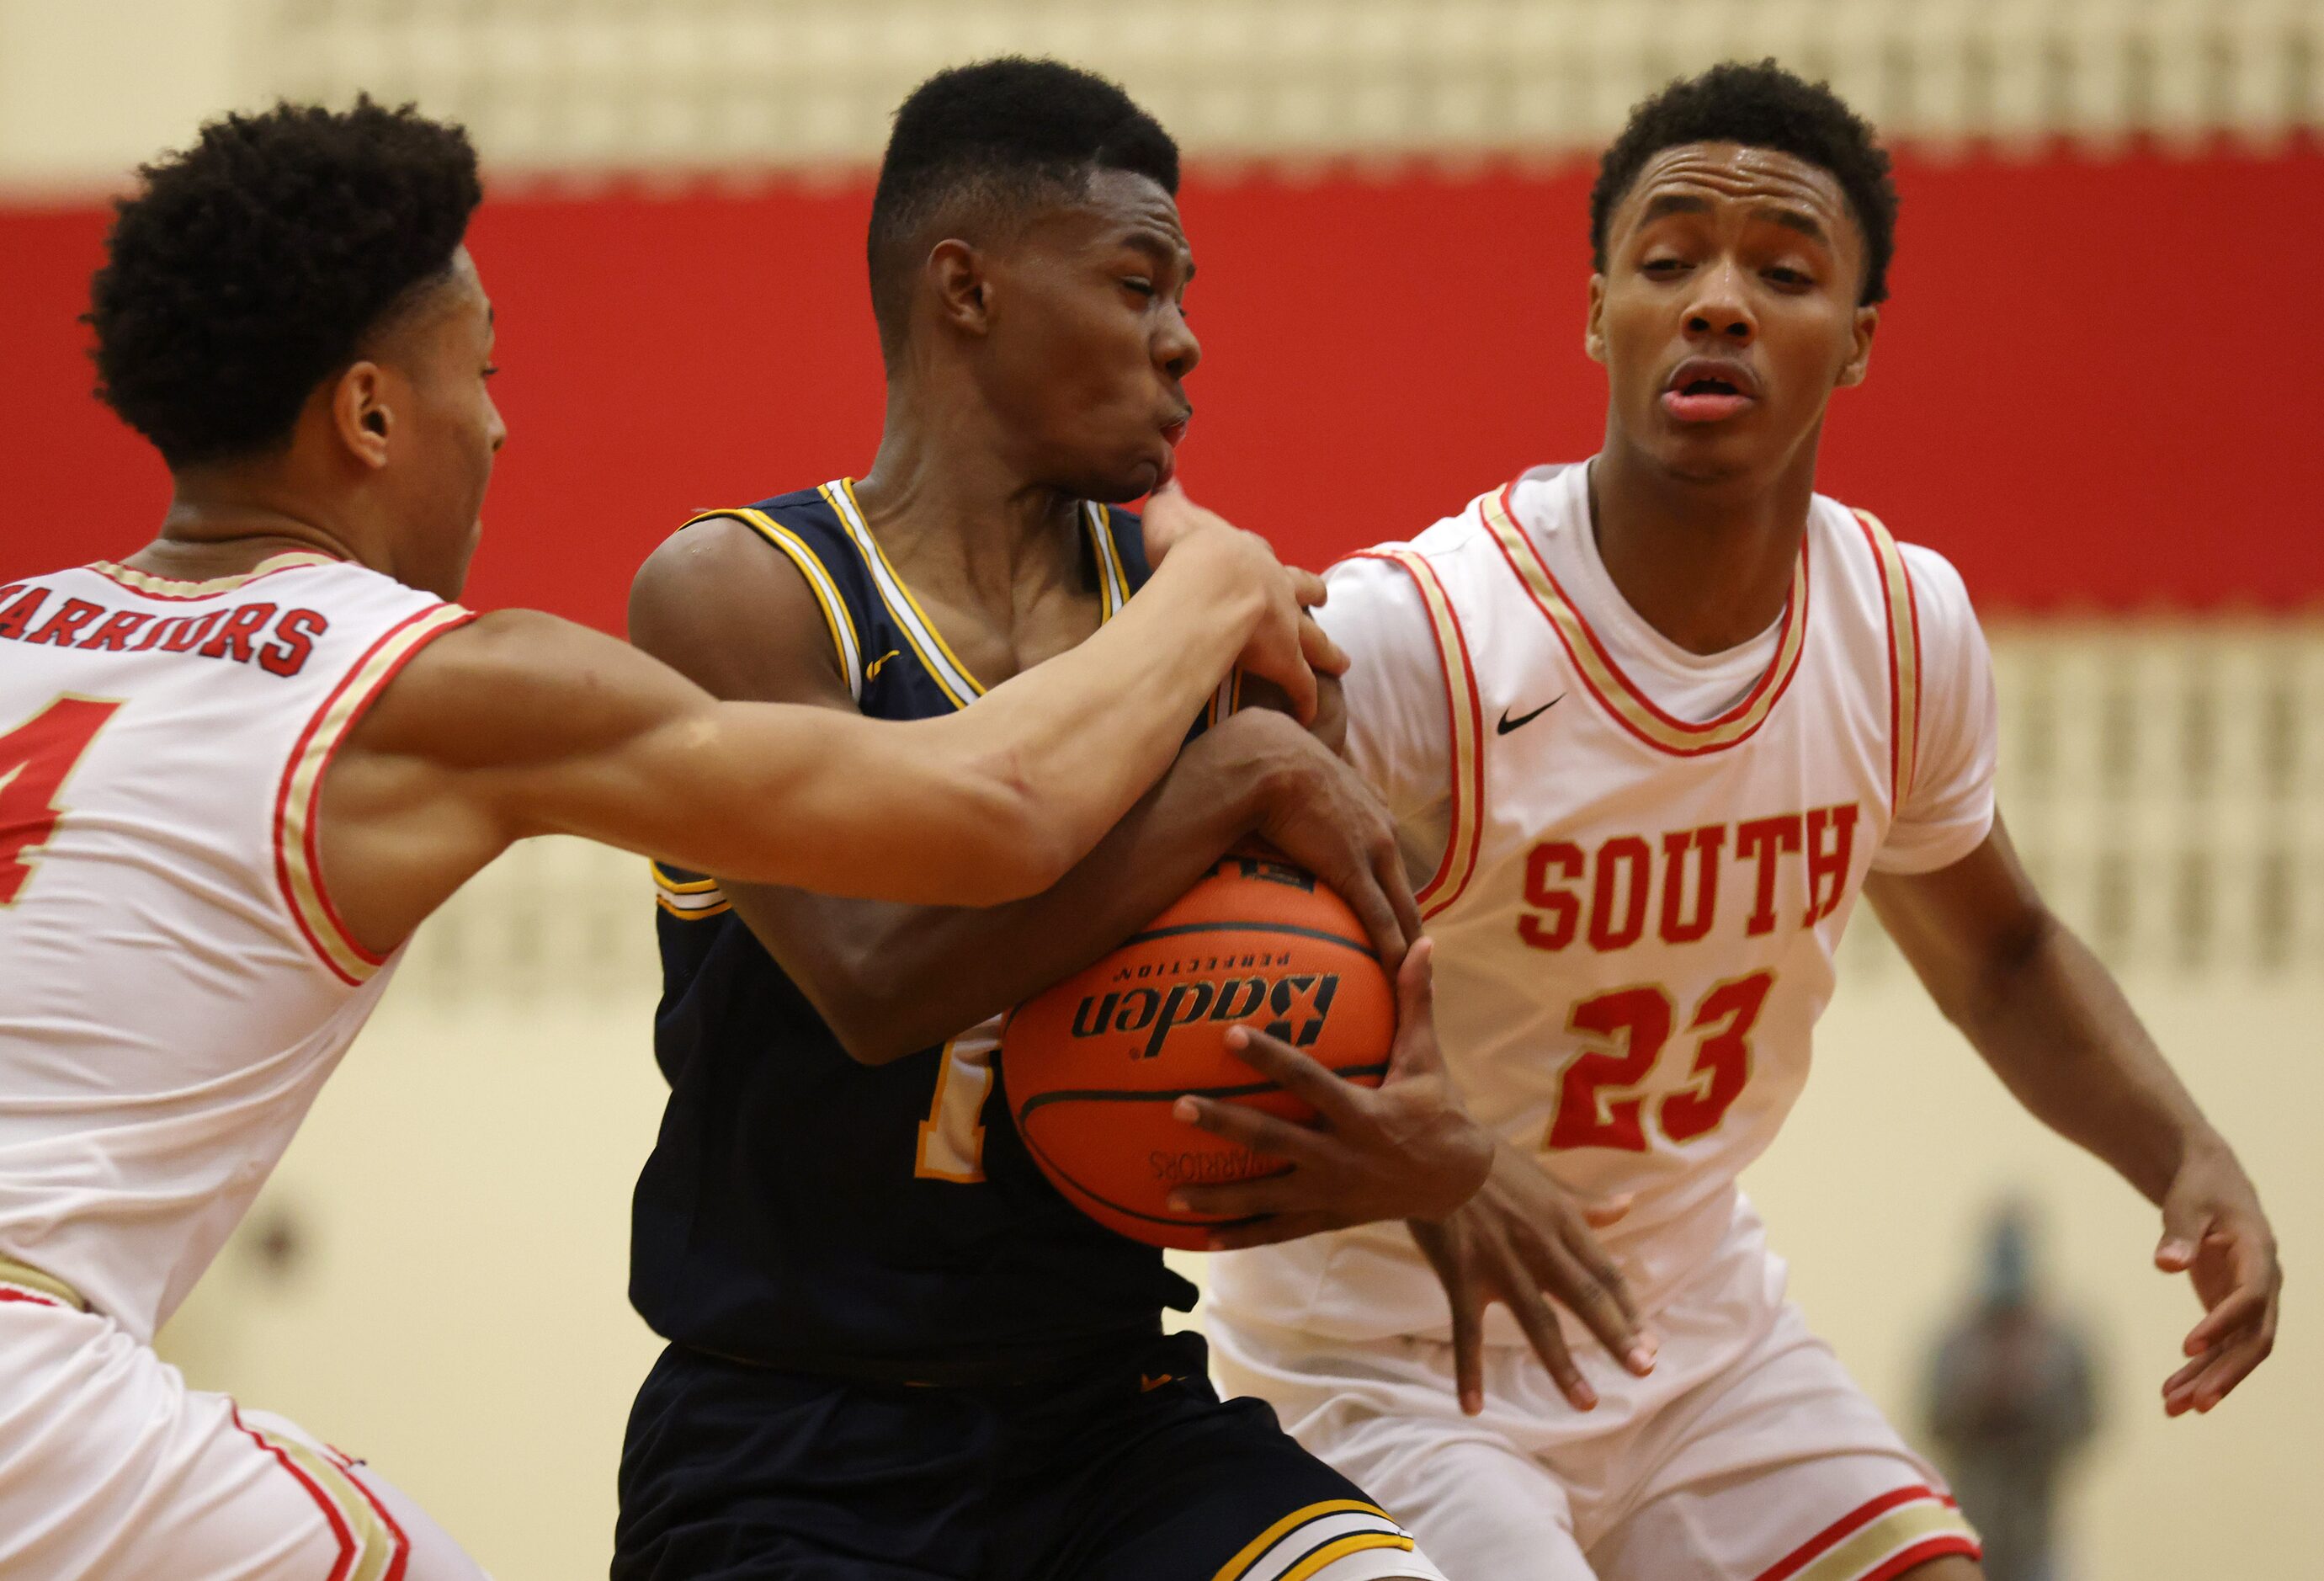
(689, 899)
(24, 1276)
(835, 613)
(918, 629)
(1113, 576)
(1611, 688)
(1354, 1543)
(376, 1545)
(173, 587)
(1904, 649)
(932, 1139)
(1259, 1547)
(1863, 1550)
(1458, 863)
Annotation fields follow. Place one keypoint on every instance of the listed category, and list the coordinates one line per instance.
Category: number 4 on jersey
(35, 760)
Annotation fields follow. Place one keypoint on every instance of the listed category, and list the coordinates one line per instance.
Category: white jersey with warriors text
(175, 984)
(1636, 898)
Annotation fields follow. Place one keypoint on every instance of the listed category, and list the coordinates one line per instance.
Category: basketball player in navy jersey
(895, 1352)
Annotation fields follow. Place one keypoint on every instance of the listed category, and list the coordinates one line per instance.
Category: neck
(944, 493)
(222, 523)
(1707, 564)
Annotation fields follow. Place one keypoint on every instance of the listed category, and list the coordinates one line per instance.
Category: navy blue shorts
(1132, 1470)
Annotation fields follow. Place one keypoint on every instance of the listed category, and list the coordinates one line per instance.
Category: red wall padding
(2096, 386)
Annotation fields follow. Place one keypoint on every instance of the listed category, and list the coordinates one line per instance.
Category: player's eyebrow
(1797, 219)
(1162, 249)
(1665, 203)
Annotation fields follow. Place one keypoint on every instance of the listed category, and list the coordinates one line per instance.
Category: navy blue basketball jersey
(802, 1210)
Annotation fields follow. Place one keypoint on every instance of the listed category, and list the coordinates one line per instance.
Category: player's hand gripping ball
(1092, 1064)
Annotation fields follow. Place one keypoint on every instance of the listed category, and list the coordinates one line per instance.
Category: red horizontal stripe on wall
(2095, 387)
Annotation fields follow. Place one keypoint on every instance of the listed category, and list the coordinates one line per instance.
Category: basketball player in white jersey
(1651, 723)
(239, 766)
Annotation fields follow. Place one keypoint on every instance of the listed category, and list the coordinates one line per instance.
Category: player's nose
(1720, 309)
(1175, 348)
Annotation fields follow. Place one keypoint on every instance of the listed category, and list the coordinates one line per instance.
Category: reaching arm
(741, 621)
(2053, 1025)
(522, 724)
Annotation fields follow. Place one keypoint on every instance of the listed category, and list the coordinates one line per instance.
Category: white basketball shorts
(1745, 1457)
(111, 1469)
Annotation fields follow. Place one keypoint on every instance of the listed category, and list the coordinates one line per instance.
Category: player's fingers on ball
(1388, 864)
(1239, 1200)
(1264, 1134)
(1296, 1072)
(1376, 909)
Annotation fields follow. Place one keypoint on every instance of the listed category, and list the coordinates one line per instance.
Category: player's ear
(962, 284)
(1593, 329)
(360, 415)
(1859, 355)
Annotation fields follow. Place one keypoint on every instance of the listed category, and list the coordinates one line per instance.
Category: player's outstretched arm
(521, 724)
(721, 606)
(2053, 1024)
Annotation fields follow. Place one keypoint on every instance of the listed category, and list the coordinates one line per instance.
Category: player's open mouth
(1707, 389)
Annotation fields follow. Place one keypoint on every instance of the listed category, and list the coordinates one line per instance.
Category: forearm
(2054, 1026)
(1085, 735)
(893, 979)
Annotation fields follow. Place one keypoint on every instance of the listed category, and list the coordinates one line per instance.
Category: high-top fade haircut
(1759, 105)
(978, 147)
(251, 267)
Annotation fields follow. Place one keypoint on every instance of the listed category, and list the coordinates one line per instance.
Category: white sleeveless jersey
(174, 983)
(1635, 915)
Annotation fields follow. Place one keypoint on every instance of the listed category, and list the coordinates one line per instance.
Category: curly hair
(249, 267)
(1762, 105)
(1004, 136)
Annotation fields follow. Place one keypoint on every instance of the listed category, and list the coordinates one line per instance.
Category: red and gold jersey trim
(298, 858)
(1881, 1540)
(1603, 679)
(1308, 1540)
(371, 1546)
(1461, 706)
(1904, 616)
(147, 585)
(21, 1281)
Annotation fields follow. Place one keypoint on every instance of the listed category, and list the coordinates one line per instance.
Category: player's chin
(1131, 478)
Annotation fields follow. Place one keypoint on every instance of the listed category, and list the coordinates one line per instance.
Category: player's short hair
(1761, 105)
(993, 139)
(252, 266)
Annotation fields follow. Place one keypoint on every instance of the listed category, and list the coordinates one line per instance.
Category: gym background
(2096, 390)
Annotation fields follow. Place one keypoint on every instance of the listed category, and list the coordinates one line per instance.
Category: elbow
(2005, 961)
(865, 1025)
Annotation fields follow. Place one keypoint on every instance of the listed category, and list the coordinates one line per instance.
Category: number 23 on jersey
(1638, 1023)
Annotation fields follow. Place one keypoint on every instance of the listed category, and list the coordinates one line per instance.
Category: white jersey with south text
(174, 983)
(1636, 863)
(1635, 902)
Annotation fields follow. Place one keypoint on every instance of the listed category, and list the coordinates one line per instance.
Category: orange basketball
(1092, 1064)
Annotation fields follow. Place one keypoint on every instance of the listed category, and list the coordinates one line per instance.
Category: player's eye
(1791, 277)
(1139, 283)
(491, 368)
(1663, 268)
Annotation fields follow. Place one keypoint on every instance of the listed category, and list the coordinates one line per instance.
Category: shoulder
(1919, 578)
(755, 601)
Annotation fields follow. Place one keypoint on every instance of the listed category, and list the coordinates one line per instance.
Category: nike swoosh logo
(1508, 724)
(1147, 1384)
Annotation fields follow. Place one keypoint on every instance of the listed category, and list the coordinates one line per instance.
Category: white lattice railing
(643, 85)
(2165, 780)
